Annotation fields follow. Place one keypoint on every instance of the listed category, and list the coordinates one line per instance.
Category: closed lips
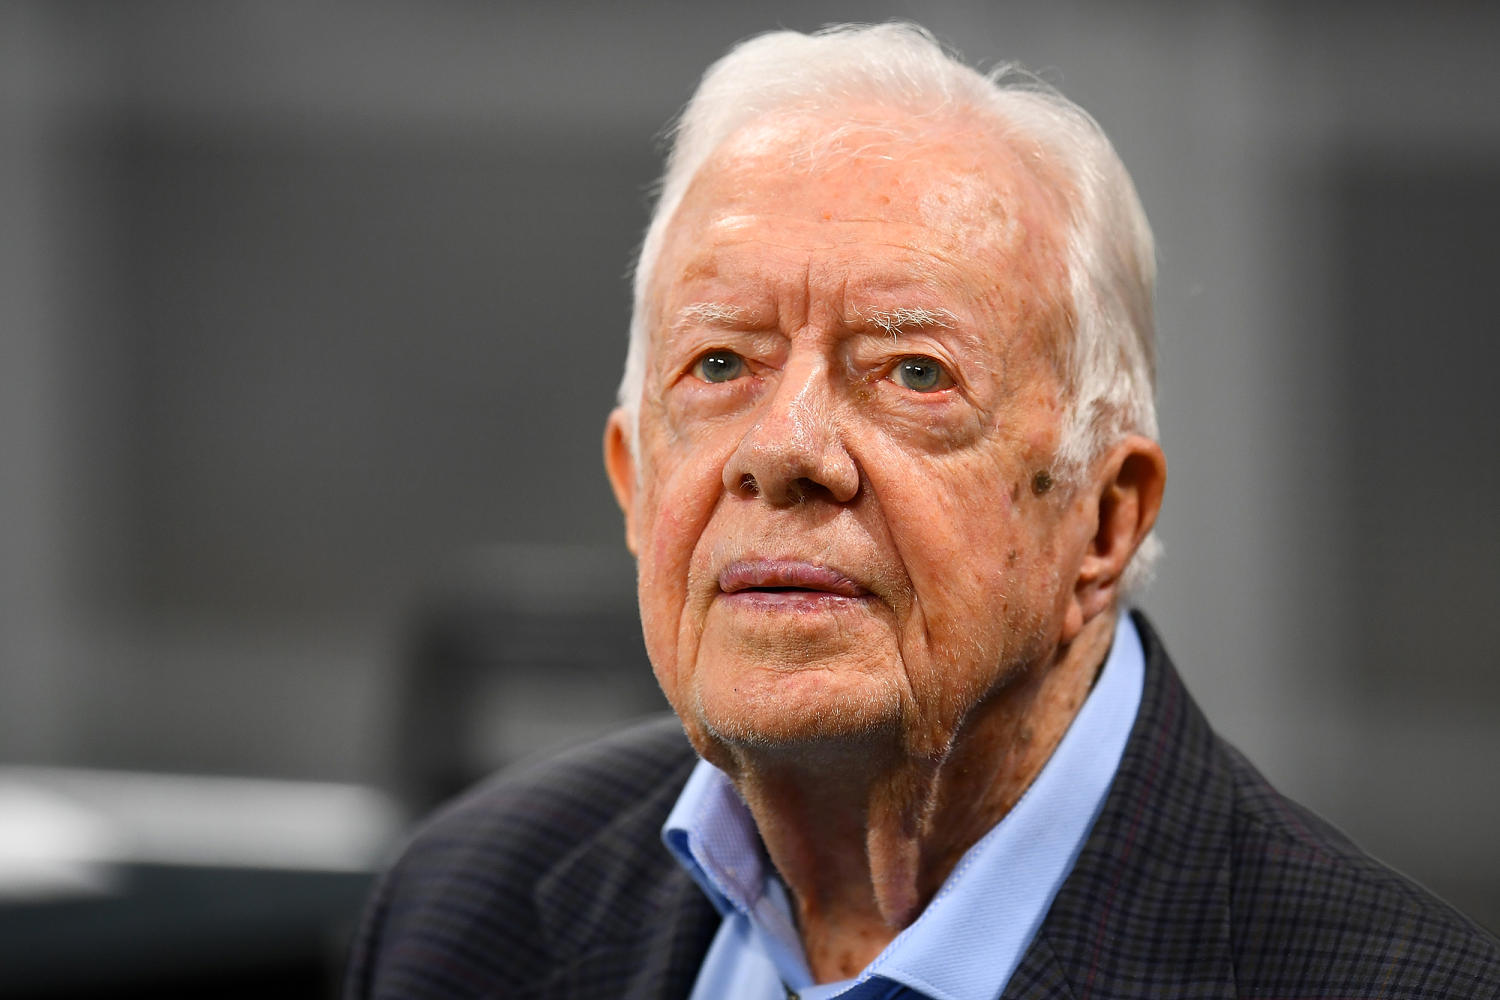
(781, 574)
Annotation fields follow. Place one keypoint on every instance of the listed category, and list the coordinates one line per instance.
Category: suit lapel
(620, 917)
(1040, 976)
(660, 962)
(1145, 911)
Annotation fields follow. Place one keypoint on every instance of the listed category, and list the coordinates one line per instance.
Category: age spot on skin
(1041, 482)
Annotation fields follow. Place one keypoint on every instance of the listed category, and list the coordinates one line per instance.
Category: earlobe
(619, 465)
(1130, 485)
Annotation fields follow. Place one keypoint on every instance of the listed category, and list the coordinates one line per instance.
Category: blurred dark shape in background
(311, 314)
(523, 650)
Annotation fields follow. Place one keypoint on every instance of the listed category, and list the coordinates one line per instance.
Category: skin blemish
(1011, 557)
(1041, 482)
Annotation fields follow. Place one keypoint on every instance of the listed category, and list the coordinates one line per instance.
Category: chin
(799, 710)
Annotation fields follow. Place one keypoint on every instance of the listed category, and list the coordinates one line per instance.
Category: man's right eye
(719, 366)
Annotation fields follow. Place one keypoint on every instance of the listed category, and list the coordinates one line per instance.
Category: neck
(865, 833)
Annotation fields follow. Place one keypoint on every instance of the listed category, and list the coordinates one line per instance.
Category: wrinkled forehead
(957, 183)
(954, 171)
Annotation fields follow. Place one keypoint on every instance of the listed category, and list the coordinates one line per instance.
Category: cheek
(674, 514)
(975, 558)
(956, 528)
(665, 555)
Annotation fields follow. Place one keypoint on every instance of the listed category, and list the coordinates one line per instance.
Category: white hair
(1107, 351)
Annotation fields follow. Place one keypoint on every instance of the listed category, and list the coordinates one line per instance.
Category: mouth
(787, 582)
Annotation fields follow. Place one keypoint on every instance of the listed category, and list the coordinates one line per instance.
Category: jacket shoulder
(1309, 906)
(1201, 880)
(468, 907)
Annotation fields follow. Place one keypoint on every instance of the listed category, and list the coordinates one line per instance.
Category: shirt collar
(971, 936)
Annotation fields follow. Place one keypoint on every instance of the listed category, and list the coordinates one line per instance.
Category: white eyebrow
(713, 313)
(894, 321)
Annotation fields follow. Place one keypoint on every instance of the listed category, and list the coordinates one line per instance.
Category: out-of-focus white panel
(61, 829)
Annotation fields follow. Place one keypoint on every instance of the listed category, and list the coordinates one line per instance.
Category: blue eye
(921, 374)
(719, 366)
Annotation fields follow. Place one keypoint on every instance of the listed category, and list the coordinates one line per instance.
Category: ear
(1126, 498)
(619, 465)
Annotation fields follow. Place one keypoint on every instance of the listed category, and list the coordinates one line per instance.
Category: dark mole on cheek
(1041, 482)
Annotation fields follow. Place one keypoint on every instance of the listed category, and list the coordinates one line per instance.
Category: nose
(795, 450)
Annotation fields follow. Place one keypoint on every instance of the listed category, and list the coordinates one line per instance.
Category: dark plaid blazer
(1198, 880)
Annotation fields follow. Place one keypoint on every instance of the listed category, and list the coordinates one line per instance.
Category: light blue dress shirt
(968, 941)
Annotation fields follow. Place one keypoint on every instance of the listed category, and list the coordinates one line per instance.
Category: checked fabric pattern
(1198, 881)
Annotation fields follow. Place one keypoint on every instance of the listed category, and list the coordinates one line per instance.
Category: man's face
(841, 528)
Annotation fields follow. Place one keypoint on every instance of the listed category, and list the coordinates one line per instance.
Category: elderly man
(885, 451)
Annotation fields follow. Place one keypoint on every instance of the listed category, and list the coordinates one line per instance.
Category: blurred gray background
(311, 314)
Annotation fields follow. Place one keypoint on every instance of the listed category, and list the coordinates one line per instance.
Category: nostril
(749, 485)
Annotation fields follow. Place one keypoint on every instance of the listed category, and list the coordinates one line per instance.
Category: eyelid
(685, 347)
(882, 351)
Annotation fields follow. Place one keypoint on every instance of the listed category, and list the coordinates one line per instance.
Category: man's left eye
(921, 374)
